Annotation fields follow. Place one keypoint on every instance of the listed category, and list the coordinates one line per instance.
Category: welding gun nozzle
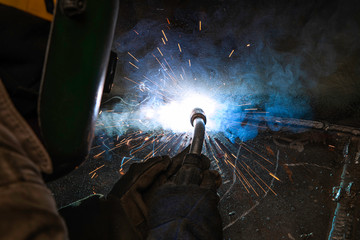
(198, 121)
(197, 113)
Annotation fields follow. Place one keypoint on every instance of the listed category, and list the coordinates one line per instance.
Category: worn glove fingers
(141, 174)
(211, 180)
(202, 161)
(188, 175)
(191, 170)
(176, 162)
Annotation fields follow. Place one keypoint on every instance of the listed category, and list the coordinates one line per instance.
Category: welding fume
(51, 84)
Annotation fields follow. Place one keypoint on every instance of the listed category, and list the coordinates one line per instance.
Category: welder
(153, 200)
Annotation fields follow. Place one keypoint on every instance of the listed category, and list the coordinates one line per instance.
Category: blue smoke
(273, 77)
(262, 79)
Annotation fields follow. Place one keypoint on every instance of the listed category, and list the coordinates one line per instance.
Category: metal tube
(198, 120)
(198, 137)
(190, 171)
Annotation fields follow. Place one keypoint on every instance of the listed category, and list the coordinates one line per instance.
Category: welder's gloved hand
(132, 191)
(186, 207)
(123, 213)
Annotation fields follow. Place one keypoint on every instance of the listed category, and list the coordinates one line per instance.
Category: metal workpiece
(198, 120)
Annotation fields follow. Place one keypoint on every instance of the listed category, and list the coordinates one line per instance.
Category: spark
(243, 177)
(249, 150)
(151, 81)
(133, 57)
(261, 179)
(164, 68)
(164, 35)
(163, 41)
(231, 53)
(124, 163)
(168, 21)
(134, 65)
(160, 52)
(96, 169)
(131, 80)
(173, 77)
(179, 47)
(200, 25)
(271, 174)
(248, 45)
(136, 32)
(98, 155)
(247, 170)
(244, 104)
(189, 63)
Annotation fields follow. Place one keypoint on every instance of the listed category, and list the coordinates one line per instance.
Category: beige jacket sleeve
(27, 208)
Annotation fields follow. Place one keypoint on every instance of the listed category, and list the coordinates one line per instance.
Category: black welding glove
(133, 190)
(186, 207)
(123, 213)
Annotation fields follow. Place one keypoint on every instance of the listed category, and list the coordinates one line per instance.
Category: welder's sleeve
(27, 207)
(183, 210)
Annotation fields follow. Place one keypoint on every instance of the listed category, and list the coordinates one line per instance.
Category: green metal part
(72, 83)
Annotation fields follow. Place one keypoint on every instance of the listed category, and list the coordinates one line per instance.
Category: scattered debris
(297, 145)
(232, 213)
(288, 172)
(357, 158)
(306, 235)
(270, 151)
(336, 193)
(290, 236)
(348, 189)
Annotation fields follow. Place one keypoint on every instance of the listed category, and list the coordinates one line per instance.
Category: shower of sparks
(231, 53)
(229, 158)
(167, 129)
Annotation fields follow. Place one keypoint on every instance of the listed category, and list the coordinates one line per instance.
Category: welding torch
(198, 121)
(193, 164)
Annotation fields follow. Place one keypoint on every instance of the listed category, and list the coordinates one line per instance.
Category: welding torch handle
(198, 137)
(190, 171)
